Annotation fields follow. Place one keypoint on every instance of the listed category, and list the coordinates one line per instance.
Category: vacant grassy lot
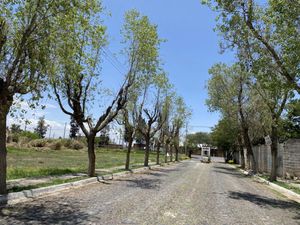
(34, 163)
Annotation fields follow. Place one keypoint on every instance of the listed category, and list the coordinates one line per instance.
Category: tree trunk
(274, 153)
(240, 142)
(171, 153)
(147, 151)
(248, 146)
(91, 155)
(157, 153)
(127, 164)
(242, 158)
(3, 151)
(166, 153)
(176, 153)
(245, 129)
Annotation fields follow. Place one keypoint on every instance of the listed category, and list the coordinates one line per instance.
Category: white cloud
(50, 106)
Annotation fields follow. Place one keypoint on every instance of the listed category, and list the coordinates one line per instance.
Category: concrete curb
(27, 195)
(286, 192)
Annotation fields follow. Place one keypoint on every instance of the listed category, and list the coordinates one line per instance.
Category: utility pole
(50, 132)
(65, 130)
(185, 143)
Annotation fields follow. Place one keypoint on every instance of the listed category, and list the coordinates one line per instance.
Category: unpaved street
(186, 193)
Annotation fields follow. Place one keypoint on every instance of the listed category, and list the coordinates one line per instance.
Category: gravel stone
(190, 192)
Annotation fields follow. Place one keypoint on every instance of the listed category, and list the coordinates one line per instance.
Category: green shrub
(30, 135)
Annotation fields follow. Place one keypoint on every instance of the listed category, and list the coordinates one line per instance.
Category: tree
(74, 128)
(78, 60)
(15, 128)
(274, 27)
(26, 41)
(152, 118)
(274, 92)
(180, 116)
(41, 128)
(132, 113)
(224, 135)
(193, 140)
(163, 137)
(228, 93)
(290, 124)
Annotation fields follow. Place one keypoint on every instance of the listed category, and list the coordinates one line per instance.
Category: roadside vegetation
(56, 49)
(24, 163)
(257, 95)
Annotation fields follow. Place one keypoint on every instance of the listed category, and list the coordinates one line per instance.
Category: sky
(191, 48)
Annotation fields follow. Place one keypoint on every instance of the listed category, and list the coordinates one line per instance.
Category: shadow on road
(266, 202)
(144, 183)
(219, 168)
(44, 213)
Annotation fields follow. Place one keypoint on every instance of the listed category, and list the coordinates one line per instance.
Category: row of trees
(256, 95)
(57, 46)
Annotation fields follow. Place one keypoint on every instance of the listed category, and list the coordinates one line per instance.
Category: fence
(288, 159)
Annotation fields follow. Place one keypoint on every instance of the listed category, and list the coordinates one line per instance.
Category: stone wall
(291, 158)
(288, 158)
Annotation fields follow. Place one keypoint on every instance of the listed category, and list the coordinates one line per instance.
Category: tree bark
(166, 152)
(240, 142)
(171, 153)
(243, 164)
(245, 129)
(157, 153)
(147, 151)
(127, 164)
(91, 155)
(3, 151)
(274, 153)
(248, 146)
(6, 101)
(176, 153)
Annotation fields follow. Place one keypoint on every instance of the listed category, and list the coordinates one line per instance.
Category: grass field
(35, 163)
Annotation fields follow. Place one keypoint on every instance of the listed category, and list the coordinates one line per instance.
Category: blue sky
(191, 47)
(190, 50)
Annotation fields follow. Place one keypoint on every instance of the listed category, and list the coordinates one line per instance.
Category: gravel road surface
(186, 193)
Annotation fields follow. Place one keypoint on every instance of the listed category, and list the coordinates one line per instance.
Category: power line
(113, 60)
(200, 126)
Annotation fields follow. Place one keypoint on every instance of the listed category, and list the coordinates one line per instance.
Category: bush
(76, 145)
(30, 135)
(57, 145)
(15, 138)
(39, 143)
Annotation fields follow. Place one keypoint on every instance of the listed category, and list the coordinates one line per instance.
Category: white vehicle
(205, 153)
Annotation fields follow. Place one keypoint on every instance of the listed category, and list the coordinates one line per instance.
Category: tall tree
(78, 59)
(162, 137)
(274, 92)
(181, 114)
(229, 94)
(26, 42)
(41, 127)
(152, 118)
(274, 27)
